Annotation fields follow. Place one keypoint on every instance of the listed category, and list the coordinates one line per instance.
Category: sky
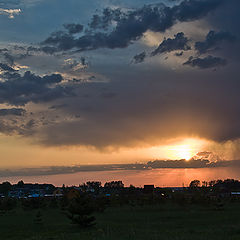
(110, 82)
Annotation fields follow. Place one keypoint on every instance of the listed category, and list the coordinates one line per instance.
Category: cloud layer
(89, 94)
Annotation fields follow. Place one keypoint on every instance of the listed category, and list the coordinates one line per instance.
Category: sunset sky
(118, 81)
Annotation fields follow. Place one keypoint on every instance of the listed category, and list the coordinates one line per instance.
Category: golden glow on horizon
(18, 152)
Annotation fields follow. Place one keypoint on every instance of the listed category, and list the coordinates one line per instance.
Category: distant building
(73, 193)
(148, 189)
(58, 193)
(235, 195)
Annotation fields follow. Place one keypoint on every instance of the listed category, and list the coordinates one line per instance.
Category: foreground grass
(122, 223)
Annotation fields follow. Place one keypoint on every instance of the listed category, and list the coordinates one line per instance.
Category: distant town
(215, 188)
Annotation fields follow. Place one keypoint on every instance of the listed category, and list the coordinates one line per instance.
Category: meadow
(149, 222)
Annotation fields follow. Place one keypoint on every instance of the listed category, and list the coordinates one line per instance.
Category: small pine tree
(80, 212)
(38, 218)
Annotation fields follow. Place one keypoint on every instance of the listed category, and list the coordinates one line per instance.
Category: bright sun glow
(182, 149)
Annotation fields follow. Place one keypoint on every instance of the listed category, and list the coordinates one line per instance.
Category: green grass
(122, 223)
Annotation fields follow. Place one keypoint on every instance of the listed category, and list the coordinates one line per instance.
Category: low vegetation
(198, 212)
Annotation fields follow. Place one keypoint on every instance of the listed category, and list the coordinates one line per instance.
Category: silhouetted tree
(211, 183)
(20, 184)
(5, 187)
(227, 184)
(94, 186)
(204, 183)
(114, 185)
(194, 184)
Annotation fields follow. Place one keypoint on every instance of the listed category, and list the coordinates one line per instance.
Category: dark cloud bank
(12, 111)
(130, 25)
(157, 164)
(141, 112)
(17, 89)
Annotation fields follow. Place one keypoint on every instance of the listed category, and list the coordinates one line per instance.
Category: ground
(127, 223)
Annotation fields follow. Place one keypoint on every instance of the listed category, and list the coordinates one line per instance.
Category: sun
(182, 152)
(178, 149)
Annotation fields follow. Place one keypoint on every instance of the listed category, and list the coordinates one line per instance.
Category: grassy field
(122, 223)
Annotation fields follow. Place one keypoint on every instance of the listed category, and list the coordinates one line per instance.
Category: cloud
(17, 3)
(157, 164)
(132, 26)
(131, 108)
(179, 42)
(10, 12)
(74, 65)
(17, 89)
(198, 163)
(12, 111)
(5, 67)
(73, 28)
(213, 40)
(189, 10)
(105, 20)
(206, 62)
(9, 58)
(179, 54)
(139, 58)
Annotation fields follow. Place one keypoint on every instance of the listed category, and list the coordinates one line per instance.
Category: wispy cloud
(10, 12)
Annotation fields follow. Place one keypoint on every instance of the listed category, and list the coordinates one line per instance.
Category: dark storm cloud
(108, 16)
(179, 54)
(17, 89)
(189, 10)
(133, 25)
(179, 42)
(206, 62)
(16, 126)
(73, 28)
(149, 108)
(213, 40)
(15, 53)
(12, 111)
(9, 58)
(5, 67)
(139, 58)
